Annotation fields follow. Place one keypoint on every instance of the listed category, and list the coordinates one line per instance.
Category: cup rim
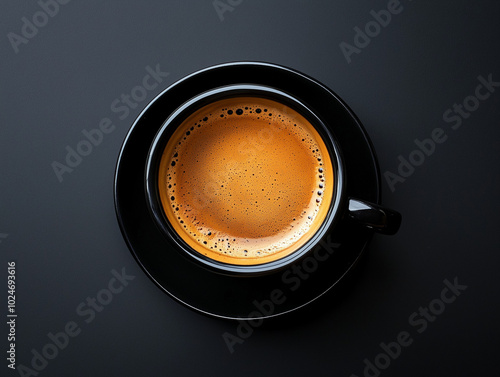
(230, 91)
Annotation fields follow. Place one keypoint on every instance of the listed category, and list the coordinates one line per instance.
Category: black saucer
(244, 297)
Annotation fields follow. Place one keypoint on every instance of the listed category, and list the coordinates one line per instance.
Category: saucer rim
(245, 64)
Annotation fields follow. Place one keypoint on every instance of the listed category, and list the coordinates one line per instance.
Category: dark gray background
(65, 238)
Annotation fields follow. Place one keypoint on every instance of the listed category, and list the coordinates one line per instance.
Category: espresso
(246, 180)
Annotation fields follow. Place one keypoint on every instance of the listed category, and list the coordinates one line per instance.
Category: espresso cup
(246, 179)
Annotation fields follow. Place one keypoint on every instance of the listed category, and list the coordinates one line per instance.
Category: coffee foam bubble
(245, 178)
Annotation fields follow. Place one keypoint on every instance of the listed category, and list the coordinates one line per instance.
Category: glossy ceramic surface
(226, 295)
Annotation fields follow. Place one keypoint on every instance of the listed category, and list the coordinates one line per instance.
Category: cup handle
(373, 216)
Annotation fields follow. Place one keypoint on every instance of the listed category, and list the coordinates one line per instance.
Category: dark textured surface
(66, 241)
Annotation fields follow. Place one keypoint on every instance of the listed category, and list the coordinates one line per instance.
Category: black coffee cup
(357, 212)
